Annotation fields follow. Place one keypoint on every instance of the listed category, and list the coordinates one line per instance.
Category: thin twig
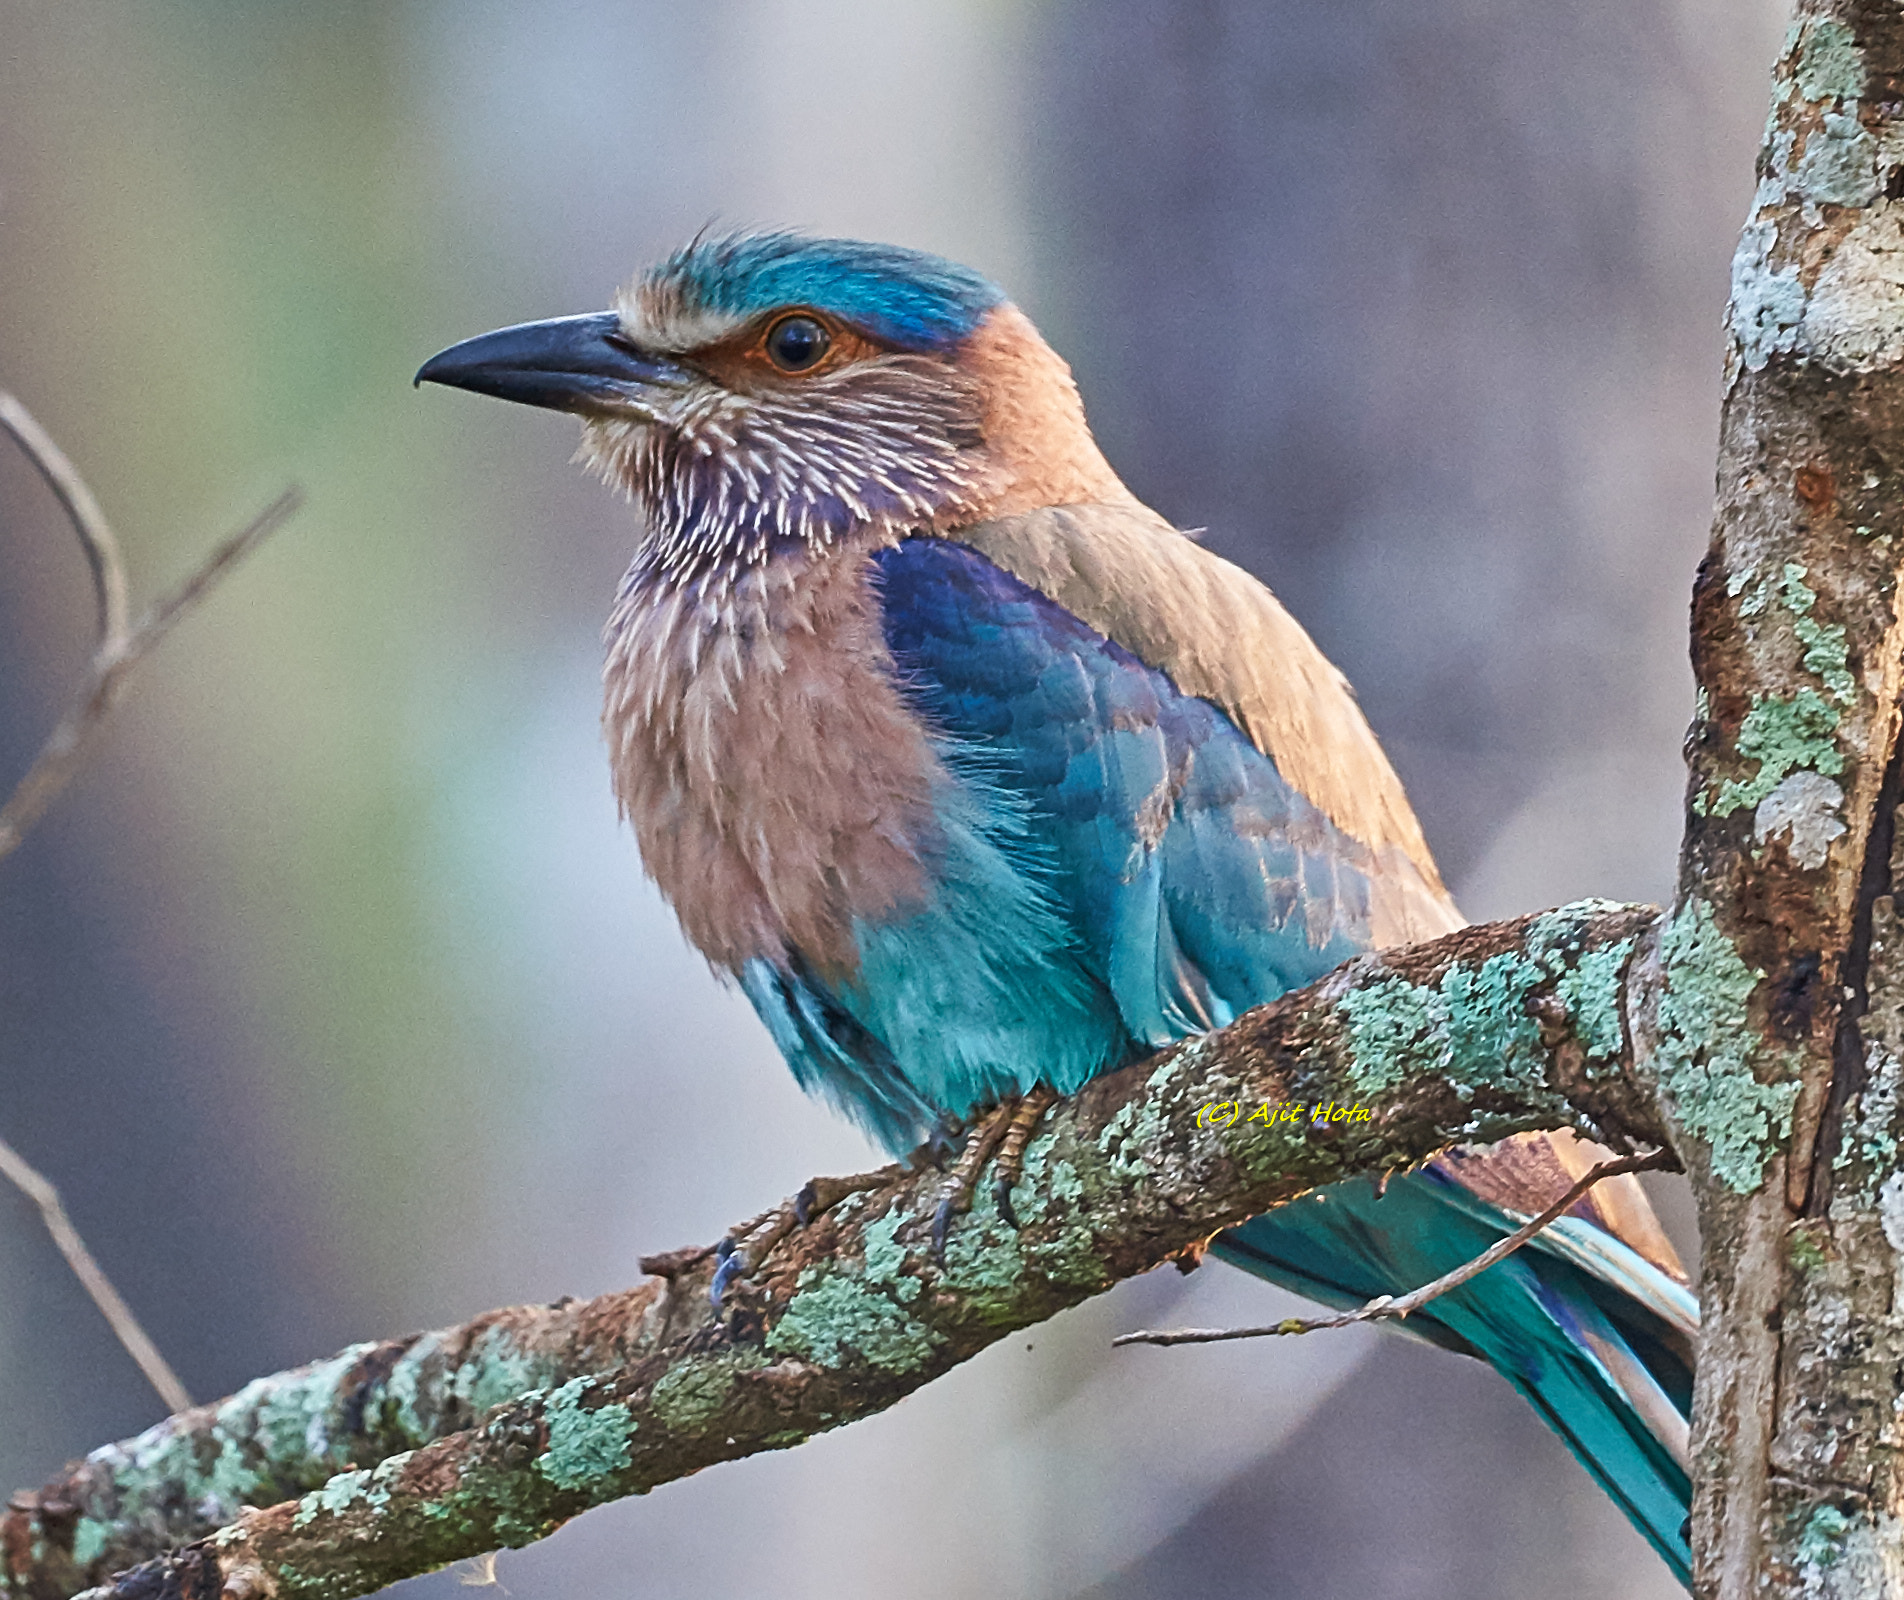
(120, 647)
(96, 537)
(53, 768)
(1384, 1307)
(37, 1188)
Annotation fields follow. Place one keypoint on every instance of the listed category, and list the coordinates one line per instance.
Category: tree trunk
(1778, 1001)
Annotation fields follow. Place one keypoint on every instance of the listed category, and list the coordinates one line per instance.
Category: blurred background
(332, 994)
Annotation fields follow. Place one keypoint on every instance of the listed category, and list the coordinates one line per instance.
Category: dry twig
(89, 522)
(39, 1189)
(1385, 1307)
(119, 648)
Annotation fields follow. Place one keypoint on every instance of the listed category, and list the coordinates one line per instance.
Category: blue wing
(1195, 881)
(1119, 866)
(1114, 866)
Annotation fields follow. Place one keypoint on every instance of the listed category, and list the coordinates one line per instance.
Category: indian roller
(981, 779)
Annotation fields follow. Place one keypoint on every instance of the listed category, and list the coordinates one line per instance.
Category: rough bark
(417, 1452)
(1776, 1008)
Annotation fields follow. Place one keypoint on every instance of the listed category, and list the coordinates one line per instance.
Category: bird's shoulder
(1219, 634)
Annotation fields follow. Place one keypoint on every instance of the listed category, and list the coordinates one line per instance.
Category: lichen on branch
(392, 1459)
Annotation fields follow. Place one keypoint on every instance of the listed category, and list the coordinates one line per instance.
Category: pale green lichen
(1822, 1542)
(1870, 1136)
(833, 1312)
(885, 1258)
(275, 1436)
(1767, 309)
(1048, 1179)
(336, 1497)
(1768, 303)
(272, 1433)
(586, 1444)
(1051, 1188)
(1493, 1039)
(1830, 66)
(1826, 655)
(984, 1261)
(291, 1421)
(1839, 166)
(1795, 733)
(1474, 1025)
(90, 1538)
(1137, 1126)
(1593, 990)
(402, 1391)
(1706, 1048)
(1783, 735)
(496, 1369)
(1391, 1023)
(827, 1319)
(686, 1397)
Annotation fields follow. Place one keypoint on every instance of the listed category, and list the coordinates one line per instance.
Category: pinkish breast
(777, 784)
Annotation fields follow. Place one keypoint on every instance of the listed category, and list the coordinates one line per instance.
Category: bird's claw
(1001, 1197)
(942, 1215)
(1010, 1164)
(1006, 1130)
(747, 1248)
(730, 1263)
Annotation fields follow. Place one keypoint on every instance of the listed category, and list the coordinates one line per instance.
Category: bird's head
(766, 392)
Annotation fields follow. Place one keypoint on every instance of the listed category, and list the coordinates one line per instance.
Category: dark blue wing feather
(1197, 880)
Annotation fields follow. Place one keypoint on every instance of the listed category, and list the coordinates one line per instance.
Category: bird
(981, 779)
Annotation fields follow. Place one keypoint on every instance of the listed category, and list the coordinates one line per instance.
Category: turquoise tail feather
(1611, 1376)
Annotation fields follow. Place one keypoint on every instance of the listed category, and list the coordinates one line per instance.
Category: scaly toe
(955, 1194)
(1010, 1165)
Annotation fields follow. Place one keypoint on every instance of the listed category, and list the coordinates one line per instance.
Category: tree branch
(405, 1461)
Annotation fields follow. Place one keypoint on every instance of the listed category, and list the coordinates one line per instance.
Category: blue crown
(902, 297)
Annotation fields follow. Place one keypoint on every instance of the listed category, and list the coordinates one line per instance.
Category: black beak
(584, 364)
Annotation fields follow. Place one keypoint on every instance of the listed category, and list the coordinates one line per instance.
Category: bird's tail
(1596, 1336)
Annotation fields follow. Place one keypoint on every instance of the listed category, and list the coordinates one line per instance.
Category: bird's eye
(795, 344)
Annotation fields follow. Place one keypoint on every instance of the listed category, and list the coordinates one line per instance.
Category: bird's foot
(1003, 1131)
(746, 1249)
(1009, 1166)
